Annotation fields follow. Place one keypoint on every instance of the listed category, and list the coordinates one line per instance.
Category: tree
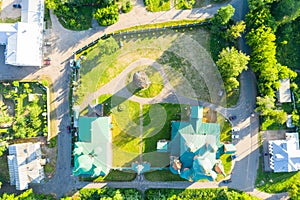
(108, 46)
(265, 104)
(235, 30)
(223, 15)
(107, 16)
(285, 72)
(230, 64)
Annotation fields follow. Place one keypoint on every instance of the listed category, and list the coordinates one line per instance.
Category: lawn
(225, 128)
(275, 182)
(4, 174)
(156, 82)
(114, 175)
(162, 175)
(188, 71)
(126, 129)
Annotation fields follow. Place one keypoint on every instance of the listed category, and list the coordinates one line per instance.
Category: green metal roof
(93, 151)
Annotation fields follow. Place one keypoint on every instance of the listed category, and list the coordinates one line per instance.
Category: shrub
(184, 4)
(107, 16)
(126, 6)
(157, 5)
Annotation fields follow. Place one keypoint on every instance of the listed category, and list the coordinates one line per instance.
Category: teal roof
(196, 126)
(196, 112)
(195, 138)
(93, 151)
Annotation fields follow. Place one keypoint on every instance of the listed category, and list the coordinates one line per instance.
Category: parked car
(235, 136)
(48, 43)
(47, 62)
(17, 5)
(72, 63)
(69, 129)
(235, 129)
(226, 181)
(233, 117)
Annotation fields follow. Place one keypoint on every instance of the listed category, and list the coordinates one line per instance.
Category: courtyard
(177, 79)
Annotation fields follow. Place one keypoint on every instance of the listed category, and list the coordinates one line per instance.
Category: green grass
(226, 161)
(225, 129)
(126, 129)
(162, 175)
(157, 5)
(233, 97)
(10, 20)
(116, 175)
(162, 25)
(4, 173)
(166, 47)
(275, 182)
(154, 88)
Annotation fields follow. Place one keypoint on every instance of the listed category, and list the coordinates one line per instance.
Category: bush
(157, 5)
(107, 16)
(126, 6)
(184, 4)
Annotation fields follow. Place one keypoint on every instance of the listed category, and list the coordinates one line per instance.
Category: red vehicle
(47, 62)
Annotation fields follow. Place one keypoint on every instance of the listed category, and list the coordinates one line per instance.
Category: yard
(189, 72)
(275, 182)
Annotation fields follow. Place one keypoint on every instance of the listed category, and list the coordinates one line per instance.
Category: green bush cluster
(157, 5)
(127, 6)
(207, 194)
(184, 4)
(109, 193)
(28, 194)
(107, 16)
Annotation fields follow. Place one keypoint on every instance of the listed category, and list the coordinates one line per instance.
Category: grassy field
(154, 77)
(188, 71)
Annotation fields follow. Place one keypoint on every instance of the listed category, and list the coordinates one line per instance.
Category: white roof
(23, 47)
(284, 93)
(24, 164)
(24, 39)
(285, 154)
(5, 31)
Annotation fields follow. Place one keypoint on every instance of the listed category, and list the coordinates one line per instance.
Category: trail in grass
(141, 133)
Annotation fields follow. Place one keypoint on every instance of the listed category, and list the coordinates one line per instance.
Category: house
(24, 40)
(194, 147)
(284, 92)
(93, 151)
(285, 154)
(25, 164)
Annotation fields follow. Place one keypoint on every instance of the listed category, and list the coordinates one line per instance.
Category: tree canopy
(230, 64)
